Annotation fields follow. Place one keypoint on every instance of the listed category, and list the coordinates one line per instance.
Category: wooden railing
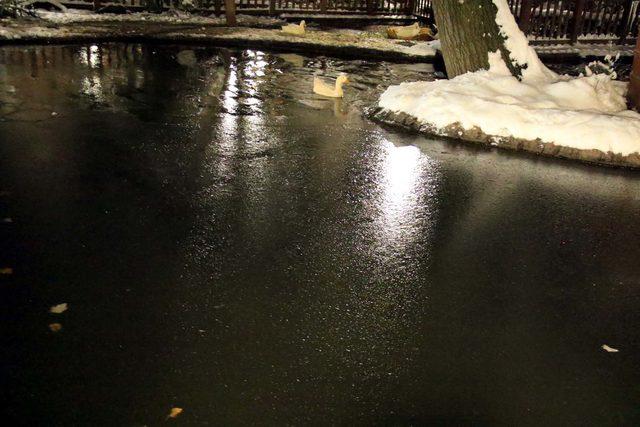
(423, 9)
(373, 7)
(577, 19)
(557, 20)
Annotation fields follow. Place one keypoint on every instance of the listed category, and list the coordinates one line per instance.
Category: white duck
(324, 89)
(294, 29)
(406, 33)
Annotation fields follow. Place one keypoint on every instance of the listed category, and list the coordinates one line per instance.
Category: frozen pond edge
(475, 135)
(321, 42)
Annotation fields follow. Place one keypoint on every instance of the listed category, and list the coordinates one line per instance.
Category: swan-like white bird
(294, 29)
(322, 88)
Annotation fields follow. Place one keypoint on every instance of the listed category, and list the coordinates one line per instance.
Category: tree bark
(468, 33)
(230, 12)
(633, 94)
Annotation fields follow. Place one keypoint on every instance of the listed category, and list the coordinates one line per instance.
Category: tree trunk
(633, 94)
(230, 12)
(468, 33)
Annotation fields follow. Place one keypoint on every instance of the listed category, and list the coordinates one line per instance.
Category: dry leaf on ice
(174, 413)
(55, 327)
(6, 270)
(60, 308)
(609, 349)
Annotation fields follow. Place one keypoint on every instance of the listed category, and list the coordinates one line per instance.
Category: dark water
(230, 244)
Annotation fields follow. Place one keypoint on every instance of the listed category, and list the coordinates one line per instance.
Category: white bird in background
(294, 29)
(407, 33)
(325, 89)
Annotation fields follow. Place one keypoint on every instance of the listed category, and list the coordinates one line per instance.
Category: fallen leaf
(174, 413)
(6, 270)
(60, 308)
(609, 349)
(55, 327)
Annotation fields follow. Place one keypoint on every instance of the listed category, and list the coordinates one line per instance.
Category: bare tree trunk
(468, 33)
(633, 94)
(230, 12)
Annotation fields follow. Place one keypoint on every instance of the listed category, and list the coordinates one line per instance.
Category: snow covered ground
(78, 16)
(167, 27)
(586, 49)
(171, 17)
(587, 112)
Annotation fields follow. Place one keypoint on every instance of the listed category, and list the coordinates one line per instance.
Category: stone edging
(476, 136)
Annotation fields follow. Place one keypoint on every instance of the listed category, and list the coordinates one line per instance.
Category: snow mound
(585, 112)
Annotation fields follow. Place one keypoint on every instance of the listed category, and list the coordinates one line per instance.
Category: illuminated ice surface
(232, 245)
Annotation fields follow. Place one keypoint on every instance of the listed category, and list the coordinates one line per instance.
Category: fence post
(217, 7)
(272, 7)
(323, 6)
(576, 27)
(230, 12)
(633, 95)
(623, 30)
(369, 7)
(410, 7)
(525, 16)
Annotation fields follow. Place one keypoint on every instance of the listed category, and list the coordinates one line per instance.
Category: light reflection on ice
(408, 179)
(401, 172)
(93, 56)
(230, 104)
(92, 86)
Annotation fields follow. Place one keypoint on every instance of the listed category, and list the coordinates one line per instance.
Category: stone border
(477, 136)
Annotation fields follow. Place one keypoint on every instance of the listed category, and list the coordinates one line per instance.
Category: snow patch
(587, 49)
(497, 65)
(520, 53)
(587, 112)
(173, 17)
(422, 48)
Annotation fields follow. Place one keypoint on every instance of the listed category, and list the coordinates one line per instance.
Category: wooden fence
(571, 20)
(553, 20)
(423, 9)
(275, 7)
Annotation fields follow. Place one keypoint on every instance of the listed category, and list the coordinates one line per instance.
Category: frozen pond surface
(230, 244)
